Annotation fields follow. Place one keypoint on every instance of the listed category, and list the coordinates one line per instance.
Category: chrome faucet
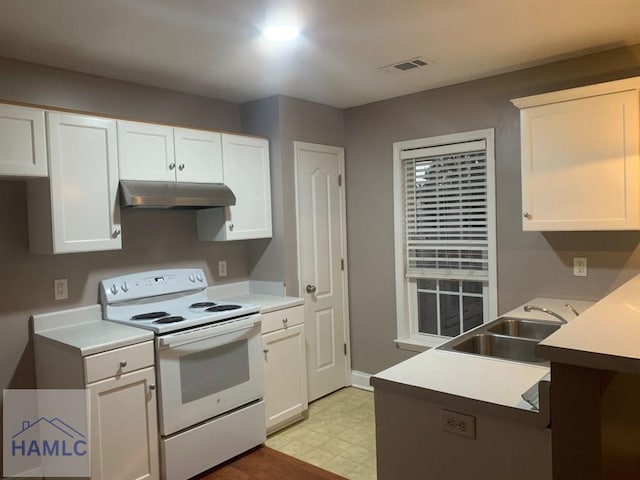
(528, 308)
(572, 308)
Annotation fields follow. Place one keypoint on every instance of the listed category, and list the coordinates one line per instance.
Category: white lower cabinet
(245, 163)
(124, 439)
(123, 406)
(76, 209)
(285, 371)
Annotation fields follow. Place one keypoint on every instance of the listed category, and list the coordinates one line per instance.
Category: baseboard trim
(361, 380)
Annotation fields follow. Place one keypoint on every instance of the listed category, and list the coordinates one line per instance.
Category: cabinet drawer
(119, 361)
(284, 318)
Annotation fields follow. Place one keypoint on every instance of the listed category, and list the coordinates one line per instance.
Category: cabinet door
(145, 151)
(580, 164)
(246, 173)
(84, 183)
(22, 137)
(245, 162)
(198, 156)
(124, 429)
(284, 376)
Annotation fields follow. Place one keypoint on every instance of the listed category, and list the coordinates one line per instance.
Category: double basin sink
(507, 338)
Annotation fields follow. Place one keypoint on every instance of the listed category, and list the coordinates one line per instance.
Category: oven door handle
(210, 331)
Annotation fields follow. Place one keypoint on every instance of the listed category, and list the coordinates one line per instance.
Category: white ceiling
(213, 47)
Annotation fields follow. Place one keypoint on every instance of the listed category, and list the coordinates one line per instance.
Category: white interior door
(322, 265)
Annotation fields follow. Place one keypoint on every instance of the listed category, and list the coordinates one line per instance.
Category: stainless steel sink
(507, 338)
(510, 348)
(519, 327)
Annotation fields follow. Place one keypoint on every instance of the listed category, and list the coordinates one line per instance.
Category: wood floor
(264, 463)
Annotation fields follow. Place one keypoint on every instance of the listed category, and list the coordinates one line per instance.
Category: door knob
(310, 289)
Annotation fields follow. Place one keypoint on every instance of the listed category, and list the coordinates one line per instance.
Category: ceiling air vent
(404, 65)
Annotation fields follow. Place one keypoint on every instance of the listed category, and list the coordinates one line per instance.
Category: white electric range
(208, 365)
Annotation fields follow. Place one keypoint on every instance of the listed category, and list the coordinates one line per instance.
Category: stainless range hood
(144, 194)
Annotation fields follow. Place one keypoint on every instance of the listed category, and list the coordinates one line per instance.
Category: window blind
(446, 211)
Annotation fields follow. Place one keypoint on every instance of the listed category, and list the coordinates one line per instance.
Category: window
(444, 236)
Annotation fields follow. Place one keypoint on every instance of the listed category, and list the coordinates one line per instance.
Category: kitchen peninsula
(595, 362)
(495, 433)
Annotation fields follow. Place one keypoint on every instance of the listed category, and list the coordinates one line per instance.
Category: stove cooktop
(166, 301)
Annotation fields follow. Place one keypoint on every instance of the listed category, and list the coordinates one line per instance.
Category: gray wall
(296, 120)
(151, 239)
(530, 264)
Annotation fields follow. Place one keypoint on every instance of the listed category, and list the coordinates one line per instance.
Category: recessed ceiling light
(281, 33)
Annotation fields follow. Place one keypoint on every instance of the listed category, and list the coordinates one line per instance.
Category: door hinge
(345, 348)
(339, 180)
(342, 264)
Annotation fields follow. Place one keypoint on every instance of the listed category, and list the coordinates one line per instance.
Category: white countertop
(83, 329)
(268, 295)
(489, 380)
(607, 336)
(267, 303)
(490, 384)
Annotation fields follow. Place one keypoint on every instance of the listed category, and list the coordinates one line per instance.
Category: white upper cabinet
(163, 153)
(23, 150)
(247, 173)
(76, 209)
(580, 158)
(198, 156)
(145, 151)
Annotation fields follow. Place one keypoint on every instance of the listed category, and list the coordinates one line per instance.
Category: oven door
(207, 371)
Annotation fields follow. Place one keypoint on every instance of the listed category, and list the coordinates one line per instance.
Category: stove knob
(114, 289)
(125, 287)
(199, 277)
(192, 277)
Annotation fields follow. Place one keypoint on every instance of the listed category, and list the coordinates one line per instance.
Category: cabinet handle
(266, 350)
(231, 226)
(181, 167)
(116, 232)
(152, 387)
(285, 321)
(172, 166)
(527, 215)
(123, 363)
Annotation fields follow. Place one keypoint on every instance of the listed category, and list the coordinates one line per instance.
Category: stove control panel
(135, 286)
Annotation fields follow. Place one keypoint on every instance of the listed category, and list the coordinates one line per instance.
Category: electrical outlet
(222, 268)
(459, 424)
(579, 266)
(60, 290)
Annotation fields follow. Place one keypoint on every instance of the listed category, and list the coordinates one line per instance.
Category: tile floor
(338, 436)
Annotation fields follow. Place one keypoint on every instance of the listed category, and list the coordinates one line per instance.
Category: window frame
(408, 336)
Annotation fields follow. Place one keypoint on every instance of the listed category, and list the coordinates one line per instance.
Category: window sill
(420, 343)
